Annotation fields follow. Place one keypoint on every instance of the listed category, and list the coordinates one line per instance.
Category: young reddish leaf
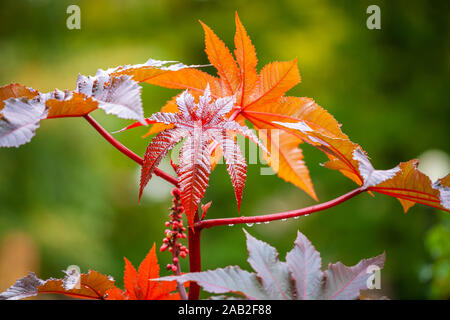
(194, 168)
(157, 150)
(300, 277)
(236, 166)
(205, 208)
(138, 285)
(170, 106)
(205, 128)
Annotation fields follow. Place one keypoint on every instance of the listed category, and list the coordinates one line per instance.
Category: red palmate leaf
(138, 284)
(204, 125)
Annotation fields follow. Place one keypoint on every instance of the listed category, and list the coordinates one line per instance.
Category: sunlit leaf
(138, 285)
(404, 181)
(206, 129)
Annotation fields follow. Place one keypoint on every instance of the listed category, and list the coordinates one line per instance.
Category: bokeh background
(68, 197)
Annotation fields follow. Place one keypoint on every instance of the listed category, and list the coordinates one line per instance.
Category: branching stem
(204, 224)
(195, 231)
(130, 154)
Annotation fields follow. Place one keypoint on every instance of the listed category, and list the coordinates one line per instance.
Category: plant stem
(180, 286)
(194, 257)
(204, 224)
(130, 154)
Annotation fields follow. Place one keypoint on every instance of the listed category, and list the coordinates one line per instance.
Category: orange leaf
(192, 79)
(275, 80)
(411, 186)
(221, 58)
(130, 277)
(93, 285)
(285, 158)
(246, 58)
(284, 145)
(15, 90)
(149, 269)
(78, 105)
(138, 285)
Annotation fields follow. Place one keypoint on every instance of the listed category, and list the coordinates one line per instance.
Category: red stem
(204, 224)
(195, 261)
(130, 154)
(236, 112)
(180, 286)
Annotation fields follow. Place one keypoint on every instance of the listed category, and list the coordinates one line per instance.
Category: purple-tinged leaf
(229, 279)
(244, 131)
(207, 129)
(167, 118)
(344, 283)
(185, 101)
(305, 265)
(119, 95)
(371, 176)
(19, 121)
(23, 288)
(300, 277)
(274, 274)
(444, 190)
(204, 104)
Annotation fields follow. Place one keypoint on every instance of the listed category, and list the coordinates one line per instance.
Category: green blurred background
(68, 197)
